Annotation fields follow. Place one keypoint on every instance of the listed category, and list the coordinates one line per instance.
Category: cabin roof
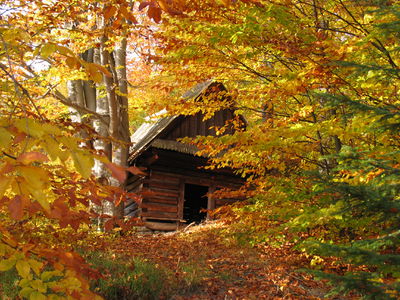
(146, 135)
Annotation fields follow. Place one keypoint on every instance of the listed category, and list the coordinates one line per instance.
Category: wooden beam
(211, 200)
(162, 226)
(151, 206)
(181, 198)
(158, 214)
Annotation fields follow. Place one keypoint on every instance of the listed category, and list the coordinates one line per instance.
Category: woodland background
(317, 81)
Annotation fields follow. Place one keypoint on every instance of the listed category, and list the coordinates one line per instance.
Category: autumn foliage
(317, 82)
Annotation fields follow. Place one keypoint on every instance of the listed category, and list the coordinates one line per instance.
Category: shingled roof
(147, 134)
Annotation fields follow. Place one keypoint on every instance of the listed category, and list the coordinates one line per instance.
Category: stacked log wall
(161, 196)
(133, 185)
(163, 192)
(192, 126)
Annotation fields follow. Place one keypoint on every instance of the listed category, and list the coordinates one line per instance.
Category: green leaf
(37, 296)
(35, 265)
(39, 285)
(7, 264)
(26, 291)
(23, 268)
(45, 276)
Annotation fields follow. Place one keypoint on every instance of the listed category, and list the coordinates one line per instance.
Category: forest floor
(211, 266)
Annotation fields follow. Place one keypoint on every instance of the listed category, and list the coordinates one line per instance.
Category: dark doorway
(195, 200)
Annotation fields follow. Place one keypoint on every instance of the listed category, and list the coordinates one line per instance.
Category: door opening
(195, 200)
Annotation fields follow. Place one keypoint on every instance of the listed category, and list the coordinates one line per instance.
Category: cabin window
(195, 200)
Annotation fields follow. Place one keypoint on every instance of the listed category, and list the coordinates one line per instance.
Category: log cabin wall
(163, 189)
(161, 196)
(173, 170)
(134, 184)
(192, 126)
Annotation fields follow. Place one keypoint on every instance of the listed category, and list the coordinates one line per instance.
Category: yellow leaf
(35, 265)
(4, 184)
(53, 149)
(37, 296)
(83, 163)
(65, 51)
(39, 285)
(36, 182)
(30, 127)
(41, 198)
(23, 268)
(226, 2)
(25, 292)
(103, 70)
(45, 276)
(73, 62)
(48, 49)
(7, 264)
(5, 138)
(50, 129)
(94, 72)
(35, 177)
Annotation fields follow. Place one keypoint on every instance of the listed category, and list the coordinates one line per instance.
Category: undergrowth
(8, 285)
(133, 278)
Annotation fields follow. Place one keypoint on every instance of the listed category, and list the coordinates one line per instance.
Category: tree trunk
(109, 101)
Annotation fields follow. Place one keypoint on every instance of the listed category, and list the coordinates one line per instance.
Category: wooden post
(211, 200)
(181, 198)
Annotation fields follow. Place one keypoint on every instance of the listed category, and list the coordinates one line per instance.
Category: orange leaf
(103, 70)
(154, 13)
(144, 5)
(16, 206)
(94, 72)
(109, 225)
(73, 62)
(7, 168)
(119, 199)
(117, 172)
(163, 5)
(128, 15)
(109, 11)
(136, 171)
(28, 157)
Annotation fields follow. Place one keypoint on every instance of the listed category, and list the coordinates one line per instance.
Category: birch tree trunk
(109, 103)
(121, 149)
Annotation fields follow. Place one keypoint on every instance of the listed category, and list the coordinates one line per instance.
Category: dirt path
(216, 269)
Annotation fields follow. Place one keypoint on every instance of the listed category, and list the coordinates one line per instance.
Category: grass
(8, 285)
(129, 278)
(193, 276)
(125, 278)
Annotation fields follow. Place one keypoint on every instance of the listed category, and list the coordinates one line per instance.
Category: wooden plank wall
(192, 126)
(133, 185)
(163, 193)
(161, 199)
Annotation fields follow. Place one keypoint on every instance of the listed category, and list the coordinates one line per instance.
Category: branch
(24, 90)
(249, 69)
(56, 94)
(10, 156)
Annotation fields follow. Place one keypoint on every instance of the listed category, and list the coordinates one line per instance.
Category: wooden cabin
(176, 189)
